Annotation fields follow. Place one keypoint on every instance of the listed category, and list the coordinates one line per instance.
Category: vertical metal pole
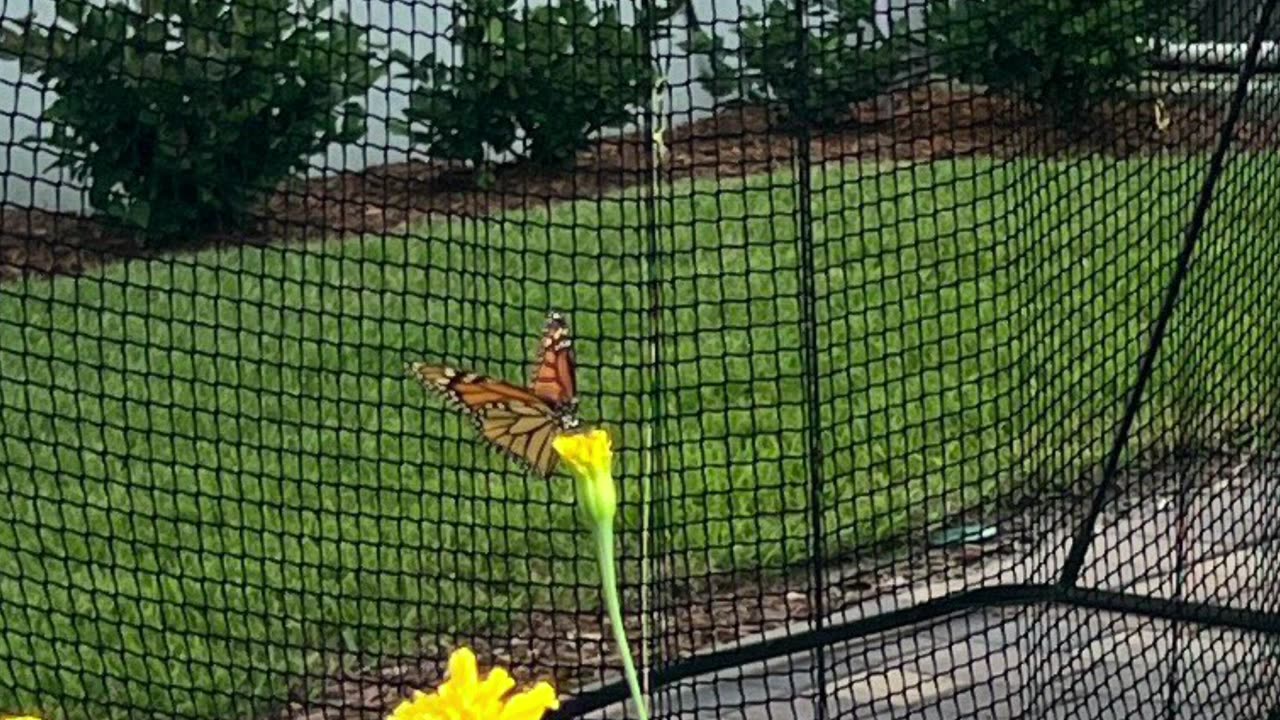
(803, 167)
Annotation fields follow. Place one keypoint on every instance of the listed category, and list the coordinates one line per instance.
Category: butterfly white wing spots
(442, 380)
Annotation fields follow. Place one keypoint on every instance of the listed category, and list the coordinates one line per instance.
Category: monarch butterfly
(517, 421)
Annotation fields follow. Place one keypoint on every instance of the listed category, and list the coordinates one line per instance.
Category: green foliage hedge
(536, 83)
(843, 60)
(179, 115)
(1064, 55)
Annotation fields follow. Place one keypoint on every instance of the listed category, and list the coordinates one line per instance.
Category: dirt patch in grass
(920, 124)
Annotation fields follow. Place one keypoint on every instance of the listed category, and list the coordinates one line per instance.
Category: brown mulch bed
(919, 124)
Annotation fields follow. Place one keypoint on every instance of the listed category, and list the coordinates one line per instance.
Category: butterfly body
(520, 422)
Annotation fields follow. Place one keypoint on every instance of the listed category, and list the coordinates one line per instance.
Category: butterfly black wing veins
(520, 423)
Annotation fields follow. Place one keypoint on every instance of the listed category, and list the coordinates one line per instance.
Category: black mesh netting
(937, 340)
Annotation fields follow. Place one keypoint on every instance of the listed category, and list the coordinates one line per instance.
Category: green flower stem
(602, 529)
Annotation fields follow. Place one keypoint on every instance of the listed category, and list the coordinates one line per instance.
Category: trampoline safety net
(936, 342)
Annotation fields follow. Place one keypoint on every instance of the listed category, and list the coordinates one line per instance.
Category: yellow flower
(20, 717)
(589, 456)
(464, 696)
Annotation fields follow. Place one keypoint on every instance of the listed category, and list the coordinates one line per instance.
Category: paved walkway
(1050, 661)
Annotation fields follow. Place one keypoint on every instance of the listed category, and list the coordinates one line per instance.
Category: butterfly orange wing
(513, 419)
(525, 432)
(555, 369)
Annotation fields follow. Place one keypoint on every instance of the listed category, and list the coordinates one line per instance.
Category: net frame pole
(807, 268)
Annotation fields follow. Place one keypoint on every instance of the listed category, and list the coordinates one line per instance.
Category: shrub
(1063, 55)
(846, 60)
(179, 115)
(554, 74)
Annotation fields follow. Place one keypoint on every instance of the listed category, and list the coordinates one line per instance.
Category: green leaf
(494, 30)
(400, 126)
(316, 7)
(160, 138)
(353, 123)
(138, 214)
(153, 8)
(70, 10)
(702, 42)
(401, 57)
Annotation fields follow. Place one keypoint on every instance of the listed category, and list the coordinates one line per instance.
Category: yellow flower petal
(494, 687)
(531, 704)
(463, 696)
(589, 457)
(589, 452)
(463, 674)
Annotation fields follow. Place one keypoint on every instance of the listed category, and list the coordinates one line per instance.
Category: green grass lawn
(215, 475)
